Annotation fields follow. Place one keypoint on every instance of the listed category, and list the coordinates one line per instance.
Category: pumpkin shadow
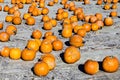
(62, 57)
(32, 69)
(67, 43)
(81, 68)
(60, 32)
(100, 66)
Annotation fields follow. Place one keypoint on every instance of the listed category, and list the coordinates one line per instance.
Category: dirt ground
(97, 45)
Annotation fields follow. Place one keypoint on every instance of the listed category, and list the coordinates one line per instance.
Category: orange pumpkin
(54, 22)
(46, 46)
(11, 11)
(87, 18)
(41, 68)
(113, 14)
(94, 27)
(1, 1)
(42, 4)
(59, 17)
(50, 61)
(108, 21)
(45, 11)
(65, 14)
(28, 54)
(26, 15)
(47, 25)
(5, 51)
(86, 2)
(11, 29)
(110, 64)
(30, 20)
(76, 41)
(99, 2)
(49, 33)
(48, 55)
(67, 32)
(0, 8)
(71, 54)
(99, 16)
(6, 8)
(57, 45)
(15, 53)
(77, 27)
(17, 20)
(28, 1)
(87, 26)
(107, 6)
(45, 18)
(32, 44)
(4, 36)
(17, 13)
(114, 6)
(51, 38)
(81, 32)
(51, 3)
(1, 25)
(93, 19)
(36, 34)
(8, 18)
(35, 12)
(91, 67)
(60, 10)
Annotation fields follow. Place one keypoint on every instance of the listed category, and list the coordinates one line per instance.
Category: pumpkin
(78, 10)
(87, 18)
(67, 25)
(108, 21)
(11, 11)
(114, 6)
(72, 8)
(26, 15)
(66, 32)
(113, 14)
(66, 6)
(65, 14)
(94, 27)
(5, 51)
(93, 19)
(50, 61)
(36, 34)
(51, 3)
(4, 36)
(107, 6)
(17, 20)
(18, 1)
(81, 16)
(45, 11)
(77, 27)
(38, 41)
(15, 53)
(91, 67)
(28, 1)
(72, 3)
(1, 1)
(6, 8)
(110, 64)
(99, 16)
(66, 21)
(41, 68)
(54, 22)
(71, 55)
(49, 33)
(76, 41)
(1, 25)
(30, 20)
(47, 25)
(60, 10)
(55, 1)
(51, 38)
(57, 45)
(45, 18)
(8, 18)
(35, 12)
(73, 19)
(31, 8)
(42, 4)
(99, 2)
(46, 46)
(28, 54)
(86, 2)
(11, 30)
(17, 13)
(13, 1)
(48, 55)
(81, 32)
(32, 44)
(87, 26)
(100, 23)
(23, 1)
(115, 1)
(59, 17)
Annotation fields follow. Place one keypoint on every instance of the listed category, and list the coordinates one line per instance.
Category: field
(98, 44)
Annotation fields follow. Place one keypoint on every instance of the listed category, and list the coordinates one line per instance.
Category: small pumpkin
(45, 11)
(11, 30)
(49, 33)
(76, 40)
(17, 20)
(81, 32)
(45, 18)
(108, 21)
(107, 6)
(113, 14)
(0, 8)
(26, 15)
(46, 46)
(41, 68)
(94, 27)
(93, 19)
(42, 4)
(11, 11)
(87, 26)
(66, 32)
(99, 16)
(6, 8)
(15, 53)
(110, 64)
(28, 54)
(60, 10)
(5, 51)
(36, 34)
(100, 23)
(71, 54)
(32, 44)
(50, 61)
(4, 36)
(47, 25)
(30, 20)
(114, 6)
(54, 22)
(86, 2)
(8, 18)
(57, 45)
(51, 38)
(91, 67)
